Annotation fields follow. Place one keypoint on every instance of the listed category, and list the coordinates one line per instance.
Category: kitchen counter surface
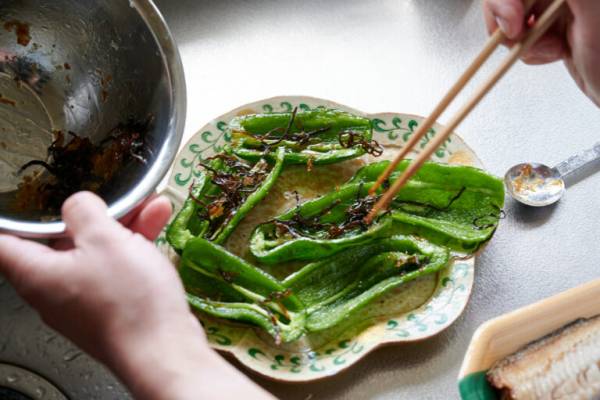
(379, 55)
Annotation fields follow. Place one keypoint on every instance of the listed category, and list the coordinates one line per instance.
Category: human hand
(575, 38)
(111, 292)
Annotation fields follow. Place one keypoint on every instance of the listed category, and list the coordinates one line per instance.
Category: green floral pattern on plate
(259, 353)
(311, 362)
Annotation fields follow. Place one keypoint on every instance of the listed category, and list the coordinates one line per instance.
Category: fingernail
(503, 25)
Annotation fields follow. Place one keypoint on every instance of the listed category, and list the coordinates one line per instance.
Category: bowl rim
(171, 59)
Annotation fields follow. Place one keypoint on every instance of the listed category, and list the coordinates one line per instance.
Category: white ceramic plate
(395, 318)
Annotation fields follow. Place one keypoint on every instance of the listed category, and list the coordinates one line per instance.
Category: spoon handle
(579, 160)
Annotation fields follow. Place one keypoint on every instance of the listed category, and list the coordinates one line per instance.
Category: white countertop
(378, 55)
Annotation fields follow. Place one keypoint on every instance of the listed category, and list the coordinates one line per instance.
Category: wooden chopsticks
(539, 28)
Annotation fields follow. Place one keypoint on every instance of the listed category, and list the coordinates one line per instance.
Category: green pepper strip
(327, 291)
(253, 283)
(274, 251)
(455, 206)
(252, 295)
(337, 288)
(187, 225)
(251, 314)
(323, 147)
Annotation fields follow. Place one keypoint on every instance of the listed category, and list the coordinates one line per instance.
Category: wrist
(157, 363)
(174, 361)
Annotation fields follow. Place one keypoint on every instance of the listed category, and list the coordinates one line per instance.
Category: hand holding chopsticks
(540, 27)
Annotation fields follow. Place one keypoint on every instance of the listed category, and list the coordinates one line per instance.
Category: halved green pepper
(317, 297)
(455, 206)
(320, 136)
(271, 246)
(338, 287)
(189, 223)
(246, 293)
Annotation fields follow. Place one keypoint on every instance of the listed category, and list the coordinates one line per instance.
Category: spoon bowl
(534, 184)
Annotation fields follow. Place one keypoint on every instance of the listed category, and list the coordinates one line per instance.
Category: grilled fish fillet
(563, 365)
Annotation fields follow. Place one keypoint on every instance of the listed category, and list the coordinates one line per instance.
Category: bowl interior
(85, 67)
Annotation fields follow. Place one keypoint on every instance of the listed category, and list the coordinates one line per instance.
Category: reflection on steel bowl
(84, 69)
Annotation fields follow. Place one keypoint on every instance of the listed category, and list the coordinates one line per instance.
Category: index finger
(86, 217)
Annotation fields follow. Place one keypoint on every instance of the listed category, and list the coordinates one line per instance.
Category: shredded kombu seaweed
(355, 219)
(79, 164)
(235, 183)
(303, 138)
(349, 139)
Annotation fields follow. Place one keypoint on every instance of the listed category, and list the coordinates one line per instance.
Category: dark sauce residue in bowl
(75, 164)
(21, 29)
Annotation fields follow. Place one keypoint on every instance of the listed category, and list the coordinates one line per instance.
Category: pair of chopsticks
(539, 28)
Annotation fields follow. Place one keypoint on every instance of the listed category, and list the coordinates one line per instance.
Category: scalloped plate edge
(211, 135)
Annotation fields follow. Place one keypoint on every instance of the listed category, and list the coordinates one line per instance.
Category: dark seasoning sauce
(5, 100)
(21, 29)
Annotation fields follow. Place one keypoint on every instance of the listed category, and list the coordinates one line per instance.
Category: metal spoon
(539, 185)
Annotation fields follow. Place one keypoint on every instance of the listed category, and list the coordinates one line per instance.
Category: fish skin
(562, 365)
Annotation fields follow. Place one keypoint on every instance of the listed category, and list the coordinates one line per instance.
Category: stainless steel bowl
(85, 66)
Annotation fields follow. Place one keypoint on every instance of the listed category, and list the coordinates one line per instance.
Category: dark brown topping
(276, 136)
(411, 260)
(235, 183)
(349, 139)
(4, 100)
(79, 165)
(278, 297)
(299, 226)
(21, 29)
(228, 276)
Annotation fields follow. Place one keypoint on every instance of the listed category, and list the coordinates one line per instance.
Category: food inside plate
(272, 238)
(563, 365)
(458, 207)
(321, 136)
(227, 190)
